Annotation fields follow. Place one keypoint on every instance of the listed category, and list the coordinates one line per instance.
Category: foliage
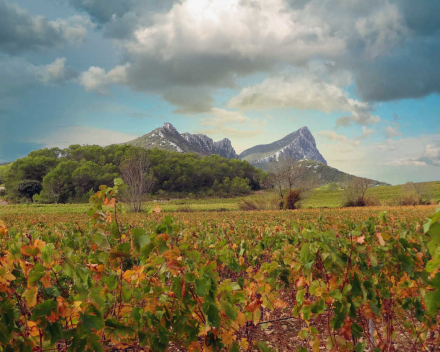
(27, 188)
(193, 284)
(69, 174)
(292, 199)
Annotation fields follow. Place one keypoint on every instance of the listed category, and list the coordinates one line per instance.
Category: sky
(362, 75)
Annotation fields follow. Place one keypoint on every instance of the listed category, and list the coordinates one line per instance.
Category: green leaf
(44, 309)
(54, 331)
(360, 346)
(203, 284)
(146, 251)
(121, 250)
(432, 301)
(407, 263)
(101, 241)
(118, 182)
(213, 316)
(356, 286)
(140, 238)
(36, 273)
(94, 343)
(305, 255)
(229, 310)
(92, 319)
(434, 233)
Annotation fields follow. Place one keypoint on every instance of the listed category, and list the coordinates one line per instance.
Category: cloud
(333, 136)
(56, 72)
(224, 122)
(391, 131)
(18, 75)
(98, 80)
(305, 92)
(64, 137)
(393, 161)
(366, 132)
(430, 156)
(204, 45)
(19, 31)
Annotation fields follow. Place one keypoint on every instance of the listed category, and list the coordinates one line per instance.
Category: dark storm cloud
(19, 31)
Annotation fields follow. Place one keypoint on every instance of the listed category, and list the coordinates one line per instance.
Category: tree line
(72, 174)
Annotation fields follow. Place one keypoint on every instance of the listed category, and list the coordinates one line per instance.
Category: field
(359, 279)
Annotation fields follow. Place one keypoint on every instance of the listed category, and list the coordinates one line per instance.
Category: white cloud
(366, 132)
(233, 125)
(55, 72)
(333, 136)
(98, 80)
(391, 131)
(306, 92)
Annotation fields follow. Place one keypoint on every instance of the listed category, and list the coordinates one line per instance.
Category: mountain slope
(168, 138)
(320, 174)
(297, 145)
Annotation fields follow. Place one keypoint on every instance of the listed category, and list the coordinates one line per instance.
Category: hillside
(321, 174)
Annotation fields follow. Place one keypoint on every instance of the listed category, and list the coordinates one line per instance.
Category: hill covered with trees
(74, 173)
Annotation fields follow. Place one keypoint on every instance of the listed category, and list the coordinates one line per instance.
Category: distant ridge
(168, 138)
(297, 145)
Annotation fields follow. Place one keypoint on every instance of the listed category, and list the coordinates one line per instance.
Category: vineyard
(309, 280)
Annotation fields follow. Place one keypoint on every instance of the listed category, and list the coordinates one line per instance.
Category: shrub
(292, 199)
(372, 201)
(27, 188)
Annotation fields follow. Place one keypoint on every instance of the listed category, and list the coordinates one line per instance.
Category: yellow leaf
(241, 319)
(33, 327)
(40, 244)
(30, 295)
(227, 338)
(278, 303)
(241, 260)
(253, 306)
(244, 344)
(63, 308)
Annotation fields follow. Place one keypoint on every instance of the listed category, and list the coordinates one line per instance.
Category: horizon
(93, 72)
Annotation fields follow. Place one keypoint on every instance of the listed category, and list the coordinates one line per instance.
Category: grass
(320, 198)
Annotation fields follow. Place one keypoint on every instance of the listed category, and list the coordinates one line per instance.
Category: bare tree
(138, 178)
(287, 173)
(355, 192)
(415, 193)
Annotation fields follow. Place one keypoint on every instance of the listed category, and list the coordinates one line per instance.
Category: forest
(75, 173)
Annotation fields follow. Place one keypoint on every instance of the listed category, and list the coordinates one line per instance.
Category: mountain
(168, 138)
(297, 145)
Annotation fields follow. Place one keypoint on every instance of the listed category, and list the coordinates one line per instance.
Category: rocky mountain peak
(169, 127)
(298, 145)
